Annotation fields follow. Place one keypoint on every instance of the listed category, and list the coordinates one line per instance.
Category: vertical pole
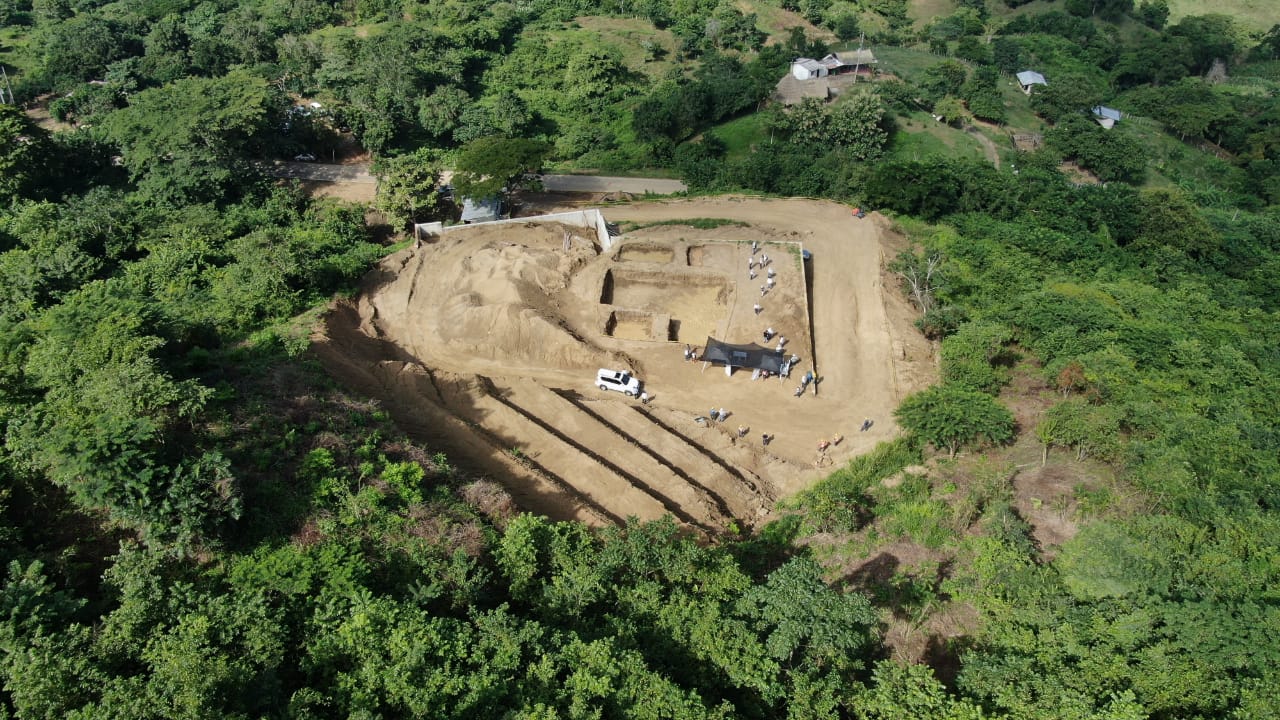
(857, 67)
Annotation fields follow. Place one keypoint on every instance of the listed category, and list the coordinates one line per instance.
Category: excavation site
(762, 348)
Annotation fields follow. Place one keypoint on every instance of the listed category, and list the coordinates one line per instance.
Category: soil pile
(484, 299)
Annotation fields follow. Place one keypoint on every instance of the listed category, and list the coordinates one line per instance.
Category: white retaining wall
(591, 219)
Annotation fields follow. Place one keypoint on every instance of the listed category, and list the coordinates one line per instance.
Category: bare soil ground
(361, 193)
(485, 345)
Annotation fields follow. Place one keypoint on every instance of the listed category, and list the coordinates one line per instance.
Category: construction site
(484, 341)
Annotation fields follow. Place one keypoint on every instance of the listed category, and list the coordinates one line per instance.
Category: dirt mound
(486, 299)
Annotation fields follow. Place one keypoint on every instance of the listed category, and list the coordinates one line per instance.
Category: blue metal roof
(482, 210)
(1031, 77)
(1106, 112)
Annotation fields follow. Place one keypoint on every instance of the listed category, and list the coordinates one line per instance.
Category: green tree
(408, 186)
(81, 48)
(490, 166)
(192, 140)
(944, 78)
(853, 123)
(969, 356)
(1153, 13)
(24, 153)
(953, 417)
(950, 110)
(804, 622)
(1093, 430)
(856, 124)
(1069, 93)
(1170, 220)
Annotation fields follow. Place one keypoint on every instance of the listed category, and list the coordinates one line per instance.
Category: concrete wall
(591, 219)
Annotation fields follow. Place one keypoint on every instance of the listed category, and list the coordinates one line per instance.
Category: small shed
(1028, 79)
(859, 60)
(1106, 117)
(808, 69)
(482, 210)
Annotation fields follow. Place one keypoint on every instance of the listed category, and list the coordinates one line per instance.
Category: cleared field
(1253, 14)
(777, 21)
(629, 36)
(922, 11)
(484, 345)
(920, 135)
(740, 134)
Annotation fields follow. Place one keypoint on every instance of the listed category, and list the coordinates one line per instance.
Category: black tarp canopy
(742, 356)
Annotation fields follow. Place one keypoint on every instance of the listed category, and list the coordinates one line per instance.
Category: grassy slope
(13, 44)
(777, 22)
(1253, 14)
(741, 133)
(919, 136)
(922, 11)
(627, 36)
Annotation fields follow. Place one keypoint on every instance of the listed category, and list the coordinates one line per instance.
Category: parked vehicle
(619, 380)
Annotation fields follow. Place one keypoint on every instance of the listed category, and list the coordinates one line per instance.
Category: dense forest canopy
(196, 522)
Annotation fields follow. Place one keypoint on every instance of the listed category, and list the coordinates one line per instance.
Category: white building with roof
(1107, 117)
(1028, 79)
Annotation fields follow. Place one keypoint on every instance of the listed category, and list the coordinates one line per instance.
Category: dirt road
(359, 173)
(321, 172)
(602, 183)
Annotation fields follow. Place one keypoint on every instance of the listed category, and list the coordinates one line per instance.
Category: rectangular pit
(695, 303)
(719, 255)
(631, 325)
(645, 252)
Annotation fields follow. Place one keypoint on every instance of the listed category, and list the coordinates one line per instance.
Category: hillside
(1003, 442)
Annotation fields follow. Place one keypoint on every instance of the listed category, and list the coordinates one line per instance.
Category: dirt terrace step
(549, 451)
(625, 458)
(412, 397)
(733, 493)
(717, 443)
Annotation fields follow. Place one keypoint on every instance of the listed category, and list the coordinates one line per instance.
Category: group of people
(804, 383)
(770, 273)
